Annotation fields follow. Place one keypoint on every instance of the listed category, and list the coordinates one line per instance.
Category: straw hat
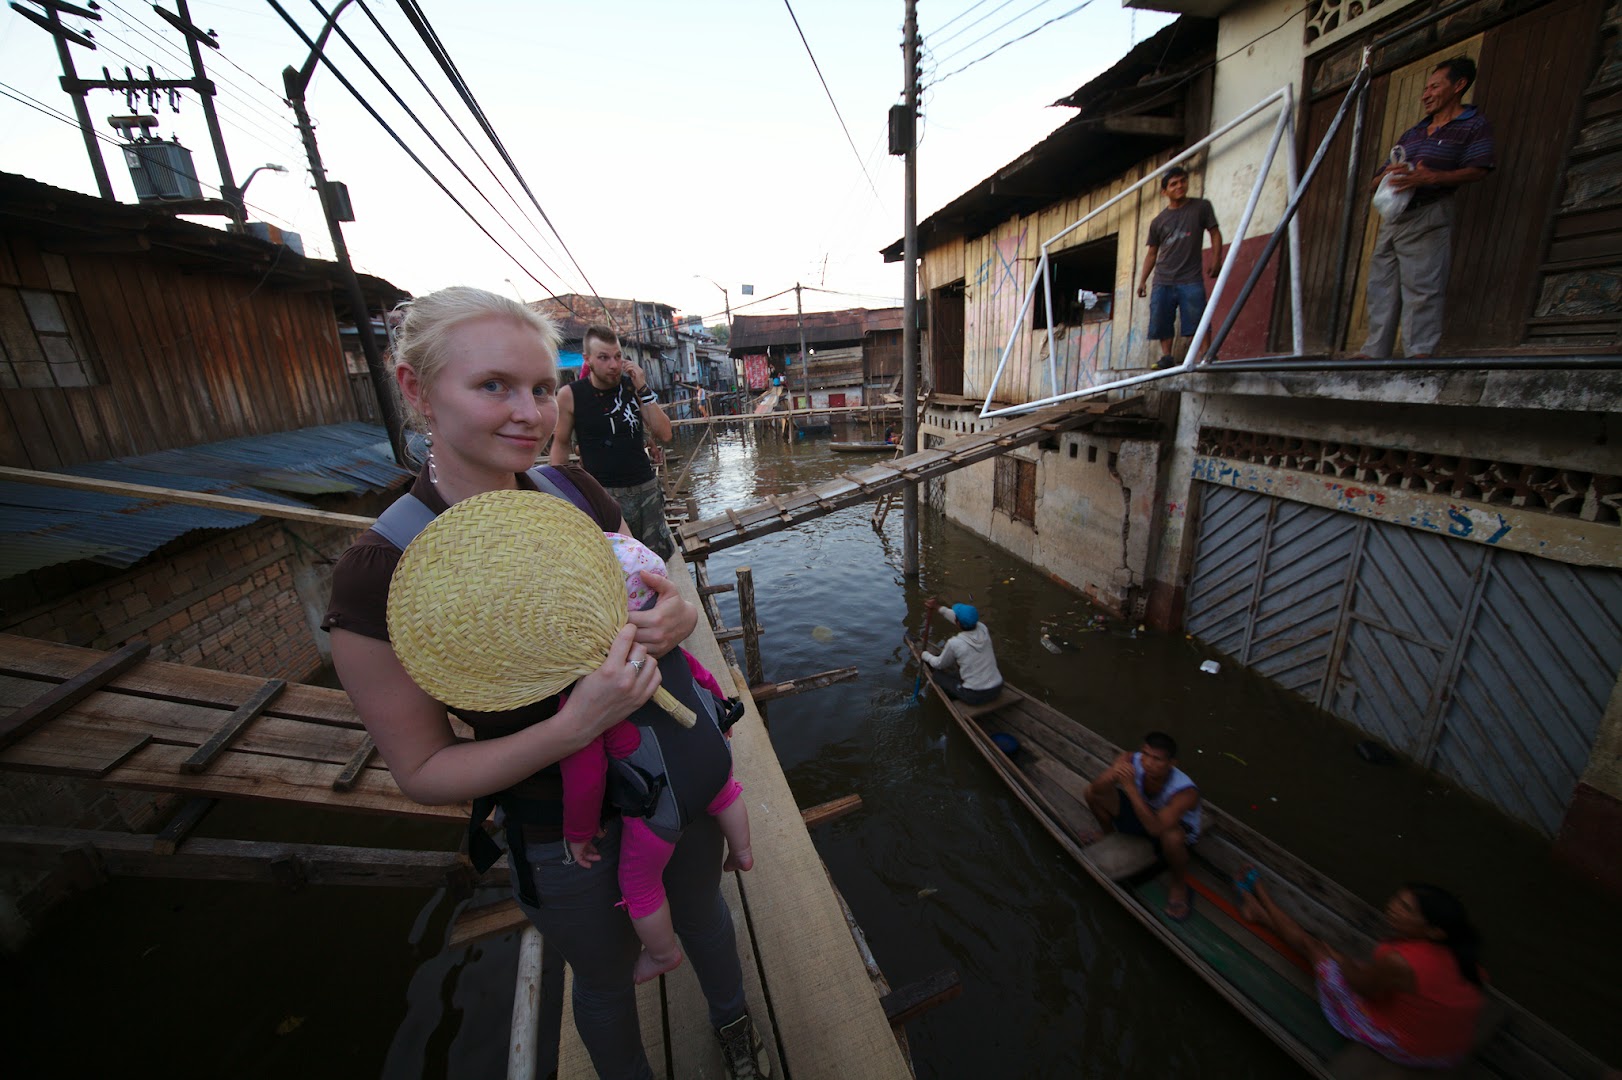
(507, 598)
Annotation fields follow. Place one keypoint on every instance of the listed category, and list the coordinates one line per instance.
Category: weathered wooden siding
(184, 358)
(1533, 72)
(997, 268)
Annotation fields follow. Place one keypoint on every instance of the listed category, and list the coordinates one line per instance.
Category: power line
(955, 18)
(412, 154)
(23, 98)
(398, 52)
(960, 50)
(425, 31)
(1011, 41)
(965, 29)
(859, 162)
(398, 100)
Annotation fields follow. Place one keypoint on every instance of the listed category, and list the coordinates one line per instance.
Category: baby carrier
(670, 778)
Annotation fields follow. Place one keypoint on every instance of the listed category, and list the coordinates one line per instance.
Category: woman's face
(493, 403)
(1403, 915)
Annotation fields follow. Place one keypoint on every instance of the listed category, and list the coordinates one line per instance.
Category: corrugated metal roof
(821, 327)
(43, 526)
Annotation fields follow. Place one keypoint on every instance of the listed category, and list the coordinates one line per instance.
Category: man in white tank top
(1145, 794)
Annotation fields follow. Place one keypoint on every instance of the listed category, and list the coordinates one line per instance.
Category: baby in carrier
(674, 772)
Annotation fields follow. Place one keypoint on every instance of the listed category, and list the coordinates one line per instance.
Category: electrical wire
(412, 154)
(1022, 37)
(818, 67)
(398, 52)
(972, 25)
(436, 48)
(23, 98)
(960, 50)
(398, 100)
(959, 15)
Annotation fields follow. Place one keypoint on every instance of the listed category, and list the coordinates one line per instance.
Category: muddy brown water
(942, 866)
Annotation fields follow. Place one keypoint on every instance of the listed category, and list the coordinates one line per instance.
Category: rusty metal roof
(654, 323)
(43, 526)
(849, 326)
(56, 214)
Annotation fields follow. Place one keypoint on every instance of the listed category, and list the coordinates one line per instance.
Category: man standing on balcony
(1408, 272)
(607, 410)
(1174, 259)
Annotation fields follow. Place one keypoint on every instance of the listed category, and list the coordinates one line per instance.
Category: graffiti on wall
(1479, 524)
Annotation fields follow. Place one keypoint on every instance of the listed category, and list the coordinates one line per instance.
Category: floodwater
(942, 866)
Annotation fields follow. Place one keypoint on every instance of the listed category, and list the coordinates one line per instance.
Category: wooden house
(855, 353)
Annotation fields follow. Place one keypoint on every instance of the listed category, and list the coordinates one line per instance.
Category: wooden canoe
(862, 447)
(1266, 981)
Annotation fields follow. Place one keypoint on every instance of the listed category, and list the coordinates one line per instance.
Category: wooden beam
(352, 771)
(175, 831)
(1169, 127)
(263, 862)
(711, 590)
(234, 724)
(53, 703)
(915, 998)
(765, 692)
(188, 498)
(831, 810)
(486, 921)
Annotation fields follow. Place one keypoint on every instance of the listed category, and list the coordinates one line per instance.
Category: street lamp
(516, 293)
(726, 298)
(242, 192)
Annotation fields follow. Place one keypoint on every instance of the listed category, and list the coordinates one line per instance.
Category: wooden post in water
(751, 628)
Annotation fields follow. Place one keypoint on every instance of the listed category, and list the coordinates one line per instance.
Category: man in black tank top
(608, 411)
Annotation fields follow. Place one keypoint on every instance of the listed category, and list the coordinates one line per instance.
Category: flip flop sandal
(1188, 910)
(1245, 884)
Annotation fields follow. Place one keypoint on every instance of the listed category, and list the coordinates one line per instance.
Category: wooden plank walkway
(808, 987)
(701, 538)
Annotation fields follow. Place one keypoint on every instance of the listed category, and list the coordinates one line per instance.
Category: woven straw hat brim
(505, 599)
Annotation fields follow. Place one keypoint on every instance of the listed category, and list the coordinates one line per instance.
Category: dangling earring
(433, 467)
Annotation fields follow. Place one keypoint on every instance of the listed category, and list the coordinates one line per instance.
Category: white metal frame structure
(1283, 132)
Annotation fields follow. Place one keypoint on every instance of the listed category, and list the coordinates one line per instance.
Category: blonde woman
(480, 373)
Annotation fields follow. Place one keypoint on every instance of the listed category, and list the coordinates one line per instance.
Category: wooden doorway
(946, 337)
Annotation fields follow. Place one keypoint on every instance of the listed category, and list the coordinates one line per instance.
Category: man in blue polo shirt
(1408, 274)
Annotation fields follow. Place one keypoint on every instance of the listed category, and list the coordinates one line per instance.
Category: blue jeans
(1186, 301)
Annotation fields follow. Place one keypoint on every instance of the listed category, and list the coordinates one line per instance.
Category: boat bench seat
(1118, 856)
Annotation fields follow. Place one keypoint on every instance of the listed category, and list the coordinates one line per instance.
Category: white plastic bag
(1388, 200)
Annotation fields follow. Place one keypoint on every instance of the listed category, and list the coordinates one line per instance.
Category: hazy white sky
(663, 139)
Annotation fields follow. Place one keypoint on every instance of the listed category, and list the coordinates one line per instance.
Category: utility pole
(51, 22)
(296, 81)
(909, 293)
(205, 93)
(805, 357)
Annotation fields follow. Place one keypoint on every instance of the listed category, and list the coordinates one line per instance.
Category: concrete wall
(1094, 497)
(1254, 70)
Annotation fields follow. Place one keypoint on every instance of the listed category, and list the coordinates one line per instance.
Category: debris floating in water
(1049, 644)
(1210, 667)
(925, 894)
(822, 633)
(1236, 757)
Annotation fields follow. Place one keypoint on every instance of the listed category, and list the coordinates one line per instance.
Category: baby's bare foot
(740, 859)
(649, 966)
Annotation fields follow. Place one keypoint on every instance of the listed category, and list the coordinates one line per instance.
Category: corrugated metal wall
(1490, 666)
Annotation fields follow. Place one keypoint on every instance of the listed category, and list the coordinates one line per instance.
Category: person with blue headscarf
(977, 679)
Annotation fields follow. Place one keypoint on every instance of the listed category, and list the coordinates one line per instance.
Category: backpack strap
(408, 515)
(403, 520)
(553, 481)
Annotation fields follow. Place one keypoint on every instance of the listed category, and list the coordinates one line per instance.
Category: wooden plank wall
(185, 358)
(1531, 91)
(997, 268)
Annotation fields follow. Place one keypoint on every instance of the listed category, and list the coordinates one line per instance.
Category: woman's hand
(624, 682)
(668, 622)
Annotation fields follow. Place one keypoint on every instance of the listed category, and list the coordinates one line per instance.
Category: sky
(677, 148)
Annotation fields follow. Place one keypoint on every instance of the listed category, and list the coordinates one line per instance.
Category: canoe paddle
(923, 644)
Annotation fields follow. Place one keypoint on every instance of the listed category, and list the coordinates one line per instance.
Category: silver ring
(637, 665)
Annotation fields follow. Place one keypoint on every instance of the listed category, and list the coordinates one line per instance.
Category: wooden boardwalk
(701, 538)
(809, 990)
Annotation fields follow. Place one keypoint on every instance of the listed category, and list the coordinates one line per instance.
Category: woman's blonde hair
(423, 339)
